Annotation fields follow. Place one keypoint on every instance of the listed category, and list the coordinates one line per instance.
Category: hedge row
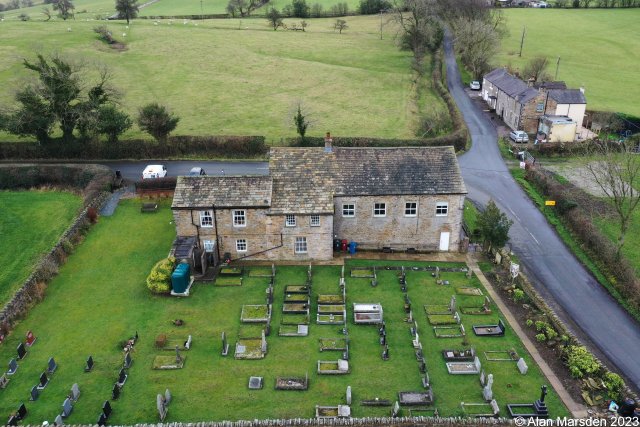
(168, 183)
(92, 180)
(177, 146)
(581, 225)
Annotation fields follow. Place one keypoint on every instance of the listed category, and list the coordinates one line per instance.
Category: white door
(444, 241)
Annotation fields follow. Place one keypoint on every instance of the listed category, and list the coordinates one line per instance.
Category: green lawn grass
(84, 9)
(98, 301)
(31, 222)
(595, 47)
(226, 81)
(196, 7)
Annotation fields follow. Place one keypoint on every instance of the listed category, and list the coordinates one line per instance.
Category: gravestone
(75, 392)
(263, 346)
(410, 318)
(22, 411)
(30, 338)
(22, 352)
(13, 421)
(345, 354)
(423, 366)
(187, 343)
(161, 406)
(452, 304)
(385, 353)
(522, 366)
(67, 407)
(487, 392)
(255, 383)
(44, 380)
(102, 420)
(483, 378)
(89, 366)
(4, 381)
(51, 366)
(34, 393)
(115, 392)
(106, 408)
(13, 367)
(127, 361)
(342, 272)
(58, 421)
(348, 396)
(225, 344)
(167, 396)
(437, 272)
(122, 377)
(425, 381)
(383, 340)
(396, 410)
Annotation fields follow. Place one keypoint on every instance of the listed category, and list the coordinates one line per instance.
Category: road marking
(514, 214)
(531, 234)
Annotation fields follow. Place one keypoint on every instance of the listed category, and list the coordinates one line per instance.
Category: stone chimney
(328, 148)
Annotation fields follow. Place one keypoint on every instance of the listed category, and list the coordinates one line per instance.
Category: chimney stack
(328, 148)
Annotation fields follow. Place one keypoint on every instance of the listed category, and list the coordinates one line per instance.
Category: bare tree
(275, 18)
(421, 29)
(244, 7)
(65, 8)
(535, 68)
(47, 13)
(617, 172)
(340, 25)
(477, 42)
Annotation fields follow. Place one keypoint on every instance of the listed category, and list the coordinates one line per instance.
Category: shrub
(551, 333)
(67, 246)
(159, 280)
(580, 361)
(529, 322)
(92, 215)
(614, 384)
(518, 295)
(541, 326)
(541, 337)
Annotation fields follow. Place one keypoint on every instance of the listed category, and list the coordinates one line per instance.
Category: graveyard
(99, 306)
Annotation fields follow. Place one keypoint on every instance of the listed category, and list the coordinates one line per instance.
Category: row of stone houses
(523, 106)
(401, 198)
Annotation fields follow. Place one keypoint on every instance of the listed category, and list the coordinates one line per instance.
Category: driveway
(586, 307)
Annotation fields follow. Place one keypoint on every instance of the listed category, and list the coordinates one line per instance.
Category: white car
(154, 171)
(519, 136)
(474, 85)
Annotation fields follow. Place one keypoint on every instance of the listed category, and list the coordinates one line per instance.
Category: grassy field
(84, 9)
(239, 82)
(97, 302)
(196, 7)
(595, 46)
(31, 222)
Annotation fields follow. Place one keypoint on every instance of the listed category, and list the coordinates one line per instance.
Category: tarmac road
(560, 278)
(133, 170)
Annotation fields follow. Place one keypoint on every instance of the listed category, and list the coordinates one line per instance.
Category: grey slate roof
(511, 85)
(222, 192)
(568, 96)
(304, 180)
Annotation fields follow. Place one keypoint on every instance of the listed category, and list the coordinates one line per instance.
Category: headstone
(383, 340)
(44, 380)
(187, 343)
(122, 377)
(225, 344)
(425, 381)
(522, 366)
(342, 272)
(4, 381)
(115, 392)
(34, 393)
(161, 406)
(75, 392)
(345, 354)
(51, 366)
(106, 408)
(30, 338)
(456, 317)
(22, 411)
(264, 340)
(167, 396)
(487, 392)
(452, 304)
(58, 421)
(348, 395)
(13, 420)
(102, 420)
(67, 407)
(483, 378)
(385, 353)
(437, 272)
(127, 361)
(543, 393)
(89, 365)
(396, 410)
(423, 366)
(22, 352)
(13, 367)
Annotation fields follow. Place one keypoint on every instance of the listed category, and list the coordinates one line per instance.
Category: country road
(569, 288)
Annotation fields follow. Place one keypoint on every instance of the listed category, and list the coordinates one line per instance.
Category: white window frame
(239, 217)
(414, 209)
(540, 107)
(206, 219)
(348, 210)
(290, 220)
(240, 243)
(208, 245)
(379, 207)
(314, 221)
(300, 245)
(440, 206)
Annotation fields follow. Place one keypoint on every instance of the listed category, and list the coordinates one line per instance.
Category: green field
(31, 222)
(84, 9)
(225, 81)
(97, 302)
(597, 50)
(196, 7)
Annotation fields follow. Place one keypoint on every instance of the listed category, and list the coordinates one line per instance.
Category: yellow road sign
(550, 203)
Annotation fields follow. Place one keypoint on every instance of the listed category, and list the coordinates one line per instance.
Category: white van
(154, 171)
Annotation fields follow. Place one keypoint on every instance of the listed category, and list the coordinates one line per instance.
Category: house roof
(568, 96)
(551, 85)
(222, 191)
(305, 180)
(511, 85)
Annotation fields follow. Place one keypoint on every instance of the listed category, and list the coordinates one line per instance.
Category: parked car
(518, 136)
(197, 171)
(154, 171)
(474, 85)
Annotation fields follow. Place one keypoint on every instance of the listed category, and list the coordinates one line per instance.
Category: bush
(550, 332)
(541, 337)
(580, 361)
(529, 322)
(518, 295)
(541, 326)
(614, 384)
(67, 246)
(159, 280)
